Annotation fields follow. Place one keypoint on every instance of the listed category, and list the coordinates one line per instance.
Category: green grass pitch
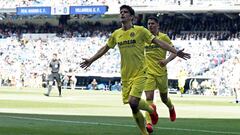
(80, 112)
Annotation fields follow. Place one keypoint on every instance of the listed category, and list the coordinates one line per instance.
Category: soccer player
(157, 78)
(235, 78)
(54, 67)
(131, 40)
(182, 75)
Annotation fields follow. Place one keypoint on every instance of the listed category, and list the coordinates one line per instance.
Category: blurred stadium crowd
(210, 58)
(212, 40)
(26, 3)
(199, 27)
(14, 3)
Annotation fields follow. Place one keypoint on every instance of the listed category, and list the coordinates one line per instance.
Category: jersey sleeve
(147, 35)
(111, 42)
(167, 39)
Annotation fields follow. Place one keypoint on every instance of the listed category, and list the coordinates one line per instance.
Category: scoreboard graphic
(61, 10)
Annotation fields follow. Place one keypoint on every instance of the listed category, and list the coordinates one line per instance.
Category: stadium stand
(212, 39)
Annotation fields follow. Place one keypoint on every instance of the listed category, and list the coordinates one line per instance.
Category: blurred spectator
(94, 84)
(116, 86)
(72, 79)
(65, 81)
(195, 86)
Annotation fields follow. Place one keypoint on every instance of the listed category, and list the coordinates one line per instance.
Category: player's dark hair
(154, 18)
(129, 8)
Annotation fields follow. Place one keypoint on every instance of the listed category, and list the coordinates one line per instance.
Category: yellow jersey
(131, 44)
(154, 53)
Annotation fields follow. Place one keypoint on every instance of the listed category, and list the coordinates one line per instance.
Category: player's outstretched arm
(87, 62)
(167, 47)
(164, 45)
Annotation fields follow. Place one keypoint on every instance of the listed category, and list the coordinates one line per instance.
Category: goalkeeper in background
(54, 67)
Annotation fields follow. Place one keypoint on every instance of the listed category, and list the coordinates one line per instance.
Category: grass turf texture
(29, 112)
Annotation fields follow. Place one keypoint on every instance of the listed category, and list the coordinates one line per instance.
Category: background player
(182, 75)
(54, 67)
(157, 71)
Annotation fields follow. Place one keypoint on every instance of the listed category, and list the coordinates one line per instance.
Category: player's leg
(137, 114)
(149, 100)
(149, 88)
(236, 94)
(137, 104)
(50, 83)
(167, 101)
(162, 84)
(136, 91)
(59, 84)
(237, 91)
(133, 102)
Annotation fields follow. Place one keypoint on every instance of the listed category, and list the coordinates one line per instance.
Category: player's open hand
(183, 55)
(86, 63)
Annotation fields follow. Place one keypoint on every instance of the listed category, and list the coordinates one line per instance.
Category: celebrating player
(157, 78)
(131, 41)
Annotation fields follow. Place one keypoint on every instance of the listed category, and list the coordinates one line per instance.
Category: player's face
(125, 15)
(153, 26)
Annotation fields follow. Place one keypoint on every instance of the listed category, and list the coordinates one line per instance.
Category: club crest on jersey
(132, 34)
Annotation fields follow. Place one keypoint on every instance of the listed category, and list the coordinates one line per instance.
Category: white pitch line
(118, 125)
